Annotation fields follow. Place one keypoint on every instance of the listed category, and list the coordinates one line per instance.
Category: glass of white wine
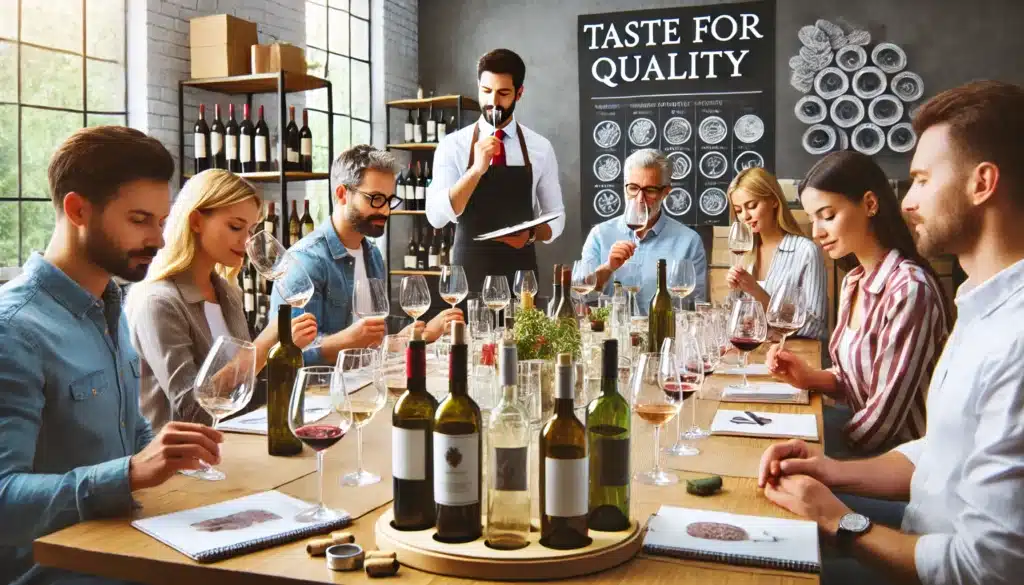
(415, 296)
(496, 294)
(682, 279)
(359, 373)
(584, 280)
(453, 287)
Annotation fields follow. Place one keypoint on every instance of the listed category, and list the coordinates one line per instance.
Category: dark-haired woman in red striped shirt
(893, 318)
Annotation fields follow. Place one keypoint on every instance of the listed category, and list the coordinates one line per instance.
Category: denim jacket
(69, 412)
(331, 269)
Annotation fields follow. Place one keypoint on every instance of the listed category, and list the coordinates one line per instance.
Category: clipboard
(514, 229)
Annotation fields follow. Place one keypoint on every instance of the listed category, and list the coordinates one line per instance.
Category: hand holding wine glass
(359, 373)
(415, 296)
(296, 288)
(637, 214)
(314, 385)
(656, 397)
(748, 329)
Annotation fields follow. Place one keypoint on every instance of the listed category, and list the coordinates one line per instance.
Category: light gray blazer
(169, 330)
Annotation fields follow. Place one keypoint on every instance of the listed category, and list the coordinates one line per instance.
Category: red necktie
(498, 160)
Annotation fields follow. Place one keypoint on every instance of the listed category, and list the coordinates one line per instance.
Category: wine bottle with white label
(218, 159)
(457, 453)
(508, 444)
(305, 144)
(231, 135)
(431, 122)
(307, 220)
(201, 144)
(412, 465)
(262, 144)
(442, 128)
(418, 128)
(409, 127)
(420, 188)
(246, 135)
(412, 251)
(563, 469)
(292, 143)
(608, 436)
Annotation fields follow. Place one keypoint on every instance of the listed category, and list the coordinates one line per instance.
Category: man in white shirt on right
(965, 478)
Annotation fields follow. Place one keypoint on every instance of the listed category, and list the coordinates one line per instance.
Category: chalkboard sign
(696, 83)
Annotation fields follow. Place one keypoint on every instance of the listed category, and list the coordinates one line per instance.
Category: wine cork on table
(382, 554)
(319, 546)
(380, 567)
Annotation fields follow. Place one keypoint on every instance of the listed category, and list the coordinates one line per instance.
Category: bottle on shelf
(412, 252)
(443, 258)
(307, 220)
(409, 127)
(305, 144)
(422, 258)
(434, 253)
(608, 436)
(563, 469)
(417, 128)
(452, 125)
(431, 130)
(405, 189)
(292, 143)
(283, 363)
(661, 319)
(565, 308)
(294, 225)
(249, 293)
(271, 219)
(261, 320)
(508, 450)
(457, 442)
(428, 178)
(218, 156)
(412, 464)
(556, 292)
(246, 136)
(231, 141)
(421, 188)
(201, 137)
(442, 128)
(262, 142)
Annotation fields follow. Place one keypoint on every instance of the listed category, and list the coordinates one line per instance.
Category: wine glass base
(681, 449)
(695, 434)
(320, 513)
(658, 478)
(359, 478)
(207, 474)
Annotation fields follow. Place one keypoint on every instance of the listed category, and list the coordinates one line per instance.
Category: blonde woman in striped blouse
(781, 250)
(893, 317)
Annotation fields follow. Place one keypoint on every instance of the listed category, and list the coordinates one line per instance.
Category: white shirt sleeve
(446, 173)
(912, 450)
(549, 193)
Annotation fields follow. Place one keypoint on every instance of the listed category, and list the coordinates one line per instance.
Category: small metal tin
(345, 557)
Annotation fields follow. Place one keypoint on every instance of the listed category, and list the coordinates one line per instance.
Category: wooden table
(112, 548)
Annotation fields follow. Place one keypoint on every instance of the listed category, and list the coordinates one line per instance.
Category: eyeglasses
(378, 200)
(651, 192)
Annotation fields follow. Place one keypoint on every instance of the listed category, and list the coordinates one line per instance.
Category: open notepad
(776, 425)
(734, 539)
(235, 527)
(765, 392)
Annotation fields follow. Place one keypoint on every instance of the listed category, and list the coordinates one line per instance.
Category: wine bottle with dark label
(231, 139)
(412, 464)
(307, 220)
(305, 144)
(201, 142)
(661, 319)
(508, 444)
(556, 292)
(292, 143)
(246, 138)
(263, 160)
(457, 451)
(608, 436)
(217, 155)
(563, 469)
(283, 364)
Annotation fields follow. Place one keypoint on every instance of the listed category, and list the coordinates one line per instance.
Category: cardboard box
(220, 45)
(278, 57)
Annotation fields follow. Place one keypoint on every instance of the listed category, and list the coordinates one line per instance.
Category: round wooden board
(475, 560)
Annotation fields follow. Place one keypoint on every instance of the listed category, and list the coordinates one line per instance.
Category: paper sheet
(780, 425)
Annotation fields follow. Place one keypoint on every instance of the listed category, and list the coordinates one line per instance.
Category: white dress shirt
(967, 491)
(452, 157)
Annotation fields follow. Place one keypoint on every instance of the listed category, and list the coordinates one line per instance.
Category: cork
(417, 335)
(458, 333)
(318, 546)
(382, 554)
(380, 567)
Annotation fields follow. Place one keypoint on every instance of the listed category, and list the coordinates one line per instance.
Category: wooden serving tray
(475, 560)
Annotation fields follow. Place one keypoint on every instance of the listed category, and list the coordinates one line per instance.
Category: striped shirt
(796, 253)
(883, 367)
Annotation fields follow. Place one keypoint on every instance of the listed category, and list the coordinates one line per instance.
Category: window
(62, 67)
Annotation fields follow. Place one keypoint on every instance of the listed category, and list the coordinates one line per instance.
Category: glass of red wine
(690, 368)
(316, 388)
(748, 329)
(636, 215)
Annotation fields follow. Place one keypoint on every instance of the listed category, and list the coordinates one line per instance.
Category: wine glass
(268, 255)
(525, 283)
(453, 285)
(741, 240)
(690, 366)
(656, 397)
(318, 384)
(415, 296)
(630, 278)
(392, 359)
(682, 279)
(496, 294)
(223, 386)
(362, 384)
(786, 311)
(748, 329)
(636, 216)
(704, 333)
(584, 279)
(370, 299)
(296, 288)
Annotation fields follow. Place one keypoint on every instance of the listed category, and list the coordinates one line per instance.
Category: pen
(754, 417)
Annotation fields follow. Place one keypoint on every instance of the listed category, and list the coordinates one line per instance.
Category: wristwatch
(533, 236)
(851, 526)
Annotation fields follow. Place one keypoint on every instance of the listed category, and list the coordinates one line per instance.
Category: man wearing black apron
(495, 174)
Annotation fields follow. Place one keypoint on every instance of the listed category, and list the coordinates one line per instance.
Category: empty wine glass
(296, 288)
(223, 386)
(496, 294)
(786, 311)
(268, 255)
(359, 371)
(415, 296)
(655, 396)
(690, 365)
(748, 329)
(584, 279)
(392, 358)
(314, 385)
(370, 299)
(682, 279)
(637, 214)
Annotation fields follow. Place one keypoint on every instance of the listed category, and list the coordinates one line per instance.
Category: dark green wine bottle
(412, 459)
(661, 318)
(608, 420)
(283, 364)
(565, 310)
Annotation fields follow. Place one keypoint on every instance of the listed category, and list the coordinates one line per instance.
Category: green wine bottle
(283, 364)
(608, 420)
(661, 318)
(412, 423)
(563, 469)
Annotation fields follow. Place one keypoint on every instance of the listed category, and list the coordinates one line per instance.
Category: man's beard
(949, 232)
(362, 224)
(506, 113)
(104, 253)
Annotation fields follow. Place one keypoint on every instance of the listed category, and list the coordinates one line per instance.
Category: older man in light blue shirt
(611, 243)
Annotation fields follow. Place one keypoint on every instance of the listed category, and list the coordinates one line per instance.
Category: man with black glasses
(337, 255)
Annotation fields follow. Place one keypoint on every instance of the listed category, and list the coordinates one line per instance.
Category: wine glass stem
(657, 449)
(782, 343)
(320, 475)
(743, 367)
(679, 428)
(693, 411)
(359, 450)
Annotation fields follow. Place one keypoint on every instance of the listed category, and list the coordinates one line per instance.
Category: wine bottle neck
(416, 366)
(457, 373)
(284, 324)
(661, 276)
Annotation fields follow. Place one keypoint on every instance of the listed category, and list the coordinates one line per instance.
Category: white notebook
(255, 422)
(765, 392)
(235, 527)
(735, 539)
(776, 425)
(751, 369)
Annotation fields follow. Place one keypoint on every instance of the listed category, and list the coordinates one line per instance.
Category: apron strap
(522, 145)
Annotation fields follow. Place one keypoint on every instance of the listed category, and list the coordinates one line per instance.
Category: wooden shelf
(275, 176)
(258, 83)
(443, 101)
(407, 212)
(415, 273)
(414, 146)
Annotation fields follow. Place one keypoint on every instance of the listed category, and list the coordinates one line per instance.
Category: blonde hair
(209, 190)
(763, 185)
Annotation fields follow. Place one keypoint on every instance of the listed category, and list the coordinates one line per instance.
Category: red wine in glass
(745, 344)
(319, 436)
(680, 391)
(634, 226)
(709, 368)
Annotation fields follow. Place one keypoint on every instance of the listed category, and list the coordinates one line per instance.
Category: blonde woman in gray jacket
(190, 295)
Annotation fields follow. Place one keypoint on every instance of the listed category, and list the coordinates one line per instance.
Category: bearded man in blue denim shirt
(75, 445)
